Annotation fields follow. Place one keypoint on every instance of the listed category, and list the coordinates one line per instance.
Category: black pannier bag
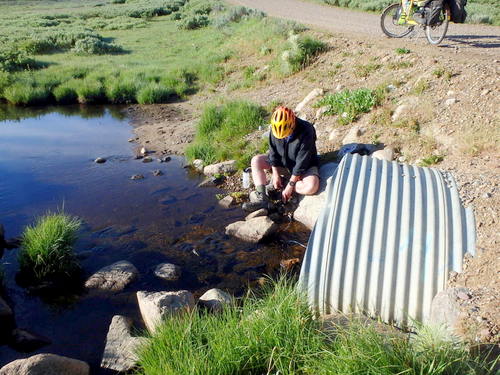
(458, 12)
(433, 12)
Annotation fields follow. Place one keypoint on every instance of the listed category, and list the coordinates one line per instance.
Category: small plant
(431, 160)
(420, 87)
(361, 70)
(350, 104)
(300, 53)
(47, 247)
(402, 51)
(399, 65)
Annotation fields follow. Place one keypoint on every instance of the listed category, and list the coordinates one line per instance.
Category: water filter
(246, 178)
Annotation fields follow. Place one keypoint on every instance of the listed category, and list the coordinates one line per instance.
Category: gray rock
(164, 159)
(215, 299)
(400, 111)
(155, 306)
(121, 348)
(261, 212)
(212, 181)
(198, 164)
(137, 177)
(220, 168)
(353, 135)
(46, 364)
(168, 271)
(386, 154)
(253, 230)
(445, 308)
(227, 201)
(321, 111)
(25, 341)
(334, 135)
(114, 277)
(100, 160)
(450, 101)
(310, 206)
(312, 95)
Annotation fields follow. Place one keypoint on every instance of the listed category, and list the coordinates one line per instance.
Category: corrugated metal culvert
(386, 240)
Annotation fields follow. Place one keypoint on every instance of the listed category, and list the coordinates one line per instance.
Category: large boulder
(121, 348)
(215, 299)
(155, 306)
(310, 206)
(114, 277)
(45, 364)
(386, 153)
(168, 271)
(446, 308)
(252, 230)
(220, 168)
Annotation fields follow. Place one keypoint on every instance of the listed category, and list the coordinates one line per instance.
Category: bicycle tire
(436, 33)
(389, 18)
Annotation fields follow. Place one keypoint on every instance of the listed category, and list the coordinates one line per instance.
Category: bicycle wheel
(389, 22)
(436, 33)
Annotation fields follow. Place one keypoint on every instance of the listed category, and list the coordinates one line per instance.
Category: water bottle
(246, 178)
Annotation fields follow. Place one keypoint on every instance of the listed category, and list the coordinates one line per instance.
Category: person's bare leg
(259, 166)
(309, 185)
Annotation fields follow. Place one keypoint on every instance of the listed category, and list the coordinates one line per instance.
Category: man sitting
(292, 151)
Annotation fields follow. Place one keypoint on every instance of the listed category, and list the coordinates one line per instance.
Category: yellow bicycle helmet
(282, 122)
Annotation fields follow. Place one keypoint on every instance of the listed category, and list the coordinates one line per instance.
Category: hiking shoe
(260, 200)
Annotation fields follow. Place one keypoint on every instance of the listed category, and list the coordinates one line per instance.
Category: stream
(47, 164)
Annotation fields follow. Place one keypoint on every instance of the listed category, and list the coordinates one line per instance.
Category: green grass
(402, 51)
(348, 105)
(300, 52)
(220, 133)
(138, 51)
(47, 247)
(274, 332)
(364, 70)
(431, 160)
(479, 11)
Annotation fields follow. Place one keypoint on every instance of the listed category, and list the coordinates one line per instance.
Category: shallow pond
(46, 163)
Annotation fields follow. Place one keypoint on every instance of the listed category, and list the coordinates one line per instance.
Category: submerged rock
(289, 264)
(114, 277)
(6, 320)
(137, 177)
(215, 299)
(168, 271)
(100, 160)
(220, 168)
(212, 181)
(121, 347)
(147, 159)
(154, 306)
(46, 364)
(261, 212)
(227, 201)
(157, 172)
(25, 341)
(252, 230)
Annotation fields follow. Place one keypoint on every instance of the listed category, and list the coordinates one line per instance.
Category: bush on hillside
(12, 59)
(300, 53)
(95, 46)
(47, 247)
(194, 21)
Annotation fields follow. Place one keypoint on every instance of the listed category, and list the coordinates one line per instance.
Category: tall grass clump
(220, 133)
(65, 93)
(47, 247)
(20, 93)
(121, 92)
(350, 104)
(90, 91)
(274, 334)
(155, 93)
(300, 53)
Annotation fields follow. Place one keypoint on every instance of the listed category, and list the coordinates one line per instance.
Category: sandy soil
(466, 133)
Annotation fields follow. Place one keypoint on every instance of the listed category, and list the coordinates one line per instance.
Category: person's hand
(287, 193)
(277, 182)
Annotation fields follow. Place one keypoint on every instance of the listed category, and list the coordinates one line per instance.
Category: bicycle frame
(407, 7)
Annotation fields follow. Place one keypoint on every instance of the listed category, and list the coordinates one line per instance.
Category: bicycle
(399, 19)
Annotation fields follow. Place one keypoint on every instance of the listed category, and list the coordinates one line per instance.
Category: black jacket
(298, 152)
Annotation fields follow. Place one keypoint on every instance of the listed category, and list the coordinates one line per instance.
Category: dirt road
(480, 39)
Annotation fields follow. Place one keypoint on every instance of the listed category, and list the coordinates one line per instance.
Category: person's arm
(274, 156)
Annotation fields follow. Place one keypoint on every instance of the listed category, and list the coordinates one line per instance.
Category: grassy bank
(275, 333)
(479, 11)
(145, 52)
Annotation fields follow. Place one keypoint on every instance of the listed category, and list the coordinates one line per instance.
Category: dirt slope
(478, 39)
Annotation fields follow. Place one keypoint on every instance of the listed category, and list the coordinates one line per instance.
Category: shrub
(94, 46)
(47, 247)
(350, 104)
(121, 92)
(431, 160)
(194, 21)
(57, 40)
(155, 93)
(90, 91)
(236, 14)
(402, 51)
(21, 93)
(300, 53)
(221, 131)
(12, 59)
